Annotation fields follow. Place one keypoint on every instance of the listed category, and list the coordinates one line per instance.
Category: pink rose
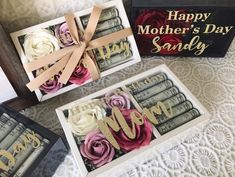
(80, 75)
(143, 134)
(119, 99)
(97, 149)
(63, 34)
(50, 86)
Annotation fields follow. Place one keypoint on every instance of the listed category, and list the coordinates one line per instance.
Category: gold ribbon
(68, 58)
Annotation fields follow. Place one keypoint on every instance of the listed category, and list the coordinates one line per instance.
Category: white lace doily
(207, 152)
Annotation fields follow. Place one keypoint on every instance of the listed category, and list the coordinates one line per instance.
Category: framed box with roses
(41, 43)
(112, 125)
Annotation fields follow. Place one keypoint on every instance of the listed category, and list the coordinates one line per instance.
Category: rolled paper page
(106, 52)
(1, 124)
(21, 157)
(178, 121)
(3, 119)
(10, 150)
(153, 90)
(176, 110)
(159, 97)
(105, 25)
(177, 99)
(31, 158)
(4, 174)
(108, 31)
(105, 15)
(113, 61)
(18, 140)
(7, 128)
(146, 83)
(12, 136)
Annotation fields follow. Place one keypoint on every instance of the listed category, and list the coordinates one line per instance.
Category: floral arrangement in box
(95, 149)
(113, 125)
(42, 42)
(68, 52)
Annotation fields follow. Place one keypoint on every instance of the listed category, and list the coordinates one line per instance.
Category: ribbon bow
(67, 59)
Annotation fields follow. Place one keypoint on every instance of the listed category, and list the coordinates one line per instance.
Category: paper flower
(119, 99)
(143, 134)
(50, 86)
(80, 75)
(97, 149)
(40, 43)
(83, 118)
(63, 35)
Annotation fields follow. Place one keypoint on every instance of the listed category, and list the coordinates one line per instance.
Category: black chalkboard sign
(183, 28)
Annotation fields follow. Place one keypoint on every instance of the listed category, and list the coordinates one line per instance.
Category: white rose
(40, 43)
(83, 118)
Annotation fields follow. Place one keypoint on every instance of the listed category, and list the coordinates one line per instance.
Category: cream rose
(83, 118)
(40, 43)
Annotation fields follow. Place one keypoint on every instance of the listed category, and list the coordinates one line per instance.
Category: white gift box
(125, 23)
(7, 91)
(159, 138)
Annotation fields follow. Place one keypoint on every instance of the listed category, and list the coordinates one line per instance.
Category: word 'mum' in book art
(117, 121)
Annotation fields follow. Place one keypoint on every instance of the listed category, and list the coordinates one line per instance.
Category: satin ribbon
(68, 58)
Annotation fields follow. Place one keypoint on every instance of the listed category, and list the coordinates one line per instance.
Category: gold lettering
(34, 139)
(150, 116)
(103, 126)
(17, 148)
(11, 161)
(194, 44)
(116, 114)
(118, 122)
(144, 30)
(136, 118)
(126, 48)
(106, 52)
(157, 47)
(172, 15)
(101, 52)
(159, 108)
(147, 81)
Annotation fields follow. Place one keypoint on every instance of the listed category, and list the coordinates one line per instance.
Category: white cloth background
(209, 150)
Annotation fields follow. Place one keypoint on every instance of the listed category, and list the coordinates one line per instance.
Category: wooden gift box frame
(122, 14)
(55, 140)
(159, 138)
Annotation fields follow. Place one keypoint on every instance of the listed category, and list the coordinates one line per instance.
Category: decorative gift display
(68, 52)
(25, 145)
(121, 121)
(185, 28)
